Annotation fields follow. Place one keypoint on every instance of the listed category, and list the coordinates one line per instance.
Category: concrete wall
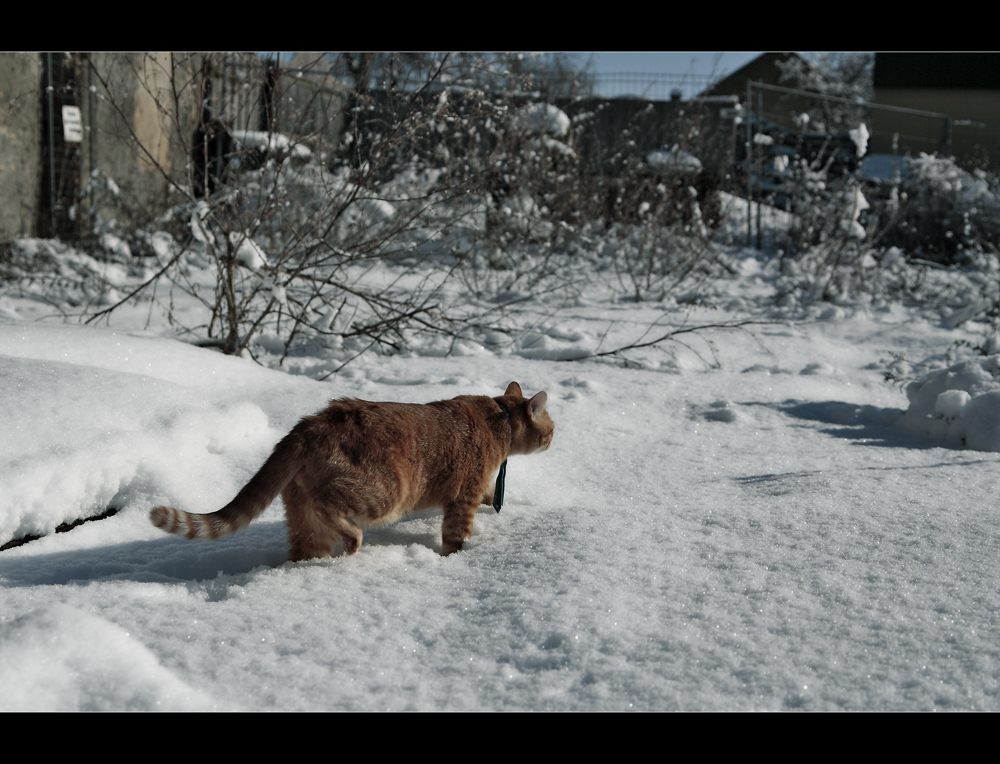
(138, 123)
(20, 143)
(139, 113)
(143, 134)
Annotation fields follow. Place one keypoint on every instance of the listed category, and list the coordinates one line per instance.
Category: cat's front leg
(457, 524)
(488, 496)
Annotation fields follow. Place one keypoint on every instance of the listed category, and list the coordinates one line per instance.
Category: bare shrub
(367, 201)
(309, 240)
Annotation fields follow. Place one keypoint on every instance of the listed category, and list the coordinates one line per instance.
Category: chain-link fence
(652, 87)
(774, 138)
(263, 95)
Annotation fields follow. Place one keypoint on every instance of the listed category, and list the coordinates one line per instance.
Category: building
(773, 106)
(964, 87)
(86, 137)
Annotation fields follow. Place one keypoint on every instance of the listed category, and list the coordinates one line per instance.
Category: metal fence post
(92, 127)
(748, 160)
(52, 145)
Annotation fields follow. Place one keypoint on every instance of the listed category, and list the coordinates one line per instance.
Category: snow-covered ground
(745, 521)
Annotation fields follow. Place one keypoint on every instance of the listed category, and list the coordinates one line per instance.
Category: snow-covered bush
(878, 236)
(536, 174)
(297, 228)
(847, 76)
(289, 238)
(824, 251)
(254, 147)
(653, 213)
(869, 236)
(936, 211)
(959, 405)
(299, 232)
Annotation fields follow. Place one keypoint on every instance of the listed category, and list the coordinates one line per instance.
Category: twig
(671, 335)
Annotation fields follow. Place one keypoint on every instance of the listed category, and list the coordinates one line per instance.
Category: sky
(656, 74)
(666, 62)
(677, 65)
(659, 62)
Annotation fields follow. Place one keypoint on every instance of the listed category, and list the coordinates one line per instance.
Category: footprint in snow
(721, 411)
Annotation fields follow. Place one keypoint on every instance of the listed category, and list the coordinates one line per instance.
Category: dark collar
(502, 474)
(506, 413)
(504, 409)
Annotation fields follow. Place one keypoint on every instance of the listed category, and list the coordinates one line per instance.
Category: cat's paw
(451, 547)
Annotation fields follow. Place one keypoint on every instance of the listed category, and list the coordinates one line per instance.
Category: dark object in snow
(211, 149)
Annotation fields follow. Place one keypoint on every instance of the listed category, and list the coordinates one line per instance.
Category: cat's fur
(358, 464)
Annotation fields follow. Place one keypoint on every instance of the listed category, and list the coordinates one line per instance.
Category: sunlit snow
(744, 517)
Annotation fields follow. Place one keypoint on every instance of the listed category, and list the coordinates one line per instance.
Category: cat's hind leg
(332, 502)
(348, 531)
(310, 535)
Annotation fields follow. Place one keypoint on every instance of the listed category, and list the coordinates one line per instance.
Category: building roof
(974, 71)
(761, 68)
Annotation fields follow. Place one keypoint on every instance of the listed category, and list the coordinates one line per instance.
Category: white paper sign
(72, 124)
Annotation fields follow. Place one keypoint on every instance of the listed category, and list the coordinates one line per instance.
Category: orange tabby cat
(358, 463)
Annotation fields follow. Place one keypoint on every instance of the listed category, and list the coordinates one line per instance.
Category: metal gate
(61, 145)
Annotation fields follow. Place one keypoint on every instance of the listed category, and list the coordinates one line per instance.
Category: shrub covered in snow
(488, 193)
(257, 146)
(541, 118)
(937, 211)
(959, 405)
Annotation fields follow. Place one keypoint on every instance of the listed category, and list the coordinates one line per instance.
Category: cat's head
(530, 425)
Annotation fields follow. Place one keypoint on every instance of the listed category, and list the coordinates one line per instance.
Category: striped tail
(254, 498)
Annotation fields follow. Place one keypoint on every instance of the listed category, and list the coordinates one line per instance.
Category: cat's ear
(514, 389)
(537, 404)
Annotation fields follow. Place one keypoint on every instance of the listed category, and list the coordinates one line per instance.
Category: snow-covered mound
(272, 143)
(674, 160)
(959, 405)
(542, 118)
(62, 659)
(754, 535)
(94, 419)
